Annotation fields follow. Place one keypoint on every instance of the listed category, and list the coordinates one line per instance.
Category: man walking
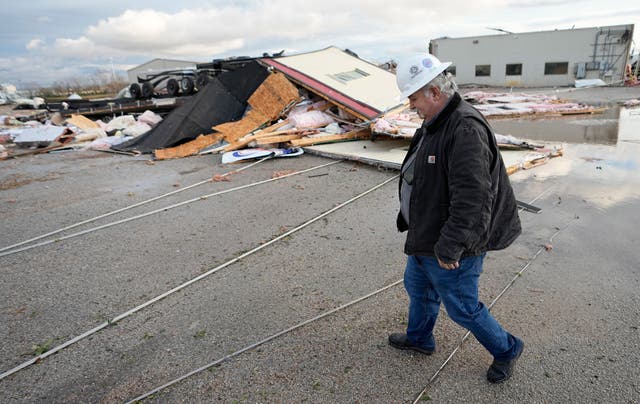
(456, 203)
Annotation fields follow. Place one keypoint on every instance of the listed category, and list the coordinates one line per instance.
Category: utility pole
(113, 71)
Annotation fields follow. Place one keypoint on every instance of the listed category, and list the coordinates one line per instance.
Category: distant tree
(102, 83)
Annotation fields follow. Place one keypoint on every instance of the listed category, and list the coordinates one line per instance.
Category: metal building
(538, 59)
(158, 65)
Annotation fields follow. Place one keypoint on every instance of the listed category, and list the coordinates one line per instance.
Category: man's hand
(454, 265)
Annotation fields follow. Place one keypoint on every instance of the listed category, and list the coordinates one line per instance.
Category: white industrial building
(158, 65)
(538, 59)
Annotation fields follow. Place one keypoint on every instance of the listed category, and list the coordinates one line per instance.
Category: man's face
(427, 106)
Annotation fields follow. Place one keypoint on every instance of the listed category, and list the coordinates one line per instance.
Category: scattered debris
(632, 103)
(41, 136)
(221, 178)
(281, 173)
(276, 105)
(585, 83)
(82, 122)
(189, 148)
(255, 153)
(522, 104)
(222, 100)
(533, 159)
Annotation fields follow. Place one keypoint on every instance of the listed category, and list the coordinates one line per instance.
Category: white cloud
(81, 47)
(214, 30)
(34, 44)
(375, 29)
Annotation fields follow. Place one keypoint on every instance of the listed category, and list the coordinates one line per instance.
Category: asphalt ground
(575, 305)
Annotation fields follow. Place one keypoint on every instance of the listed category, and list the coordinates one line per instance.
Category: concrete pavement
(575, 305)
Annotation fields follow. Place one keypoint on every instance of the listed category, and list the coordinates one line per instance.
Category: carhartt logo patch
(431, 159)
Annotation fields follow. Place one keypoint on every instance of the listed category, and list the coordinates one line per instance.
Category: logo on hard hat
(414, 71)
(427, 63)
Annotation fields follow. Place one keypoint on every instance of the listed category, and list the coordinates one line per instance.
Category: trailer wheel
(202, 80)
(135, 91)
(173, 88)
(147, 90)
(186, 85)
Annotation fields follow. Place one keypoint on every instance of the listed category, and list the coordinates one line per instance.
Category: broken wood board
(188, 149)
(274, 95)
(277, 139)
(82, 122)
(530, 159)
(241, 143)
(233, 131)
(275, 126)
(270, 101)
(384, 153)
(308, 141)
(391, 153)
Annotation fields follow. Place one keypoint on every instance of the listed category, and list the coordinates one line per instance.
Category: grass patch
(39, 349)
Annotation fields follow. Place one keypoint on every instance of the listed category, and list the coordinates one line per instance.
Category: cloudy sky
(46, 41)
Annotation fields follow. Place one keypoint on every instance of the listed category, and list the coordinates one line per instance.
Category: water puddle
(592, 129)
(601, 153)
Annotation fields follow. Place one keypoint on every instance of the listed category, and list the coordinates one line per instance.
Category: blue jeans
(428, 284)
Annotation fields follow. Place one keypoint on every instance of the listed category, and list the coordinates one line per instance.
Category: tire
(147, 90)
(202, 80)
(135, 91)
(186, 85)
(173, 88)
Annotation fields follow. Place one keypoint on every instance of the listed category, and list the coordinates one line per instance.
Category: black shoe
(501, 371)
(400, 341)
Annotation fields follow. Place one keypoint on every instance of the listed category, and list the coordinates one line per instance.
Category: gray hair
(444, 82)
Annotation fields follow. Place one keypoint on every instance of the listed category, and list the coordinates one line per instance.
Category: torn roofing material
(356, 85)
(41, 136)
(223, 99)
(274, 96)
(268, 103)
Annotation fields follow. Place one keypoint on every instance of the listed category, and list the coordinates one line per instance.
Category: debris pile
(283, 102)
(75, 132)
(269, 106)
(9, 95)
(512, 105)
(402, 122)
(631, 103)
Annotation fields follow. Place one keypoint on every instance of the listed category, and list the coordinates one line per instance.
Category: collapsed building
(311, 101)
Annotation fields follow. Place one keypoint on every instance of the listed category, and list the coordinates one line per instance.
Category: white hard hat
(416, 71)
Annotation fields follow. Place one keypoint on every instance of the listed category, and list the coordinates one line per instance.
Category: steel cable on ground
(135, 205)
(462, 341)
(262, 342)
(278, 334)
(184, 285)
(164, 209)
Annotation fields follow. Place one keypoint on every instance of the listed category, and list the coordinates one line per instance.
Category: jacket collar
(443, 115)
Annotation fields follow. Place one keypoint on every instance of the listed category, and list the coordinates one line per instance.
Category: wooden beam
(275, 126)
(277, 139)
(241, 143)
(309, 141)
(189, 148)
